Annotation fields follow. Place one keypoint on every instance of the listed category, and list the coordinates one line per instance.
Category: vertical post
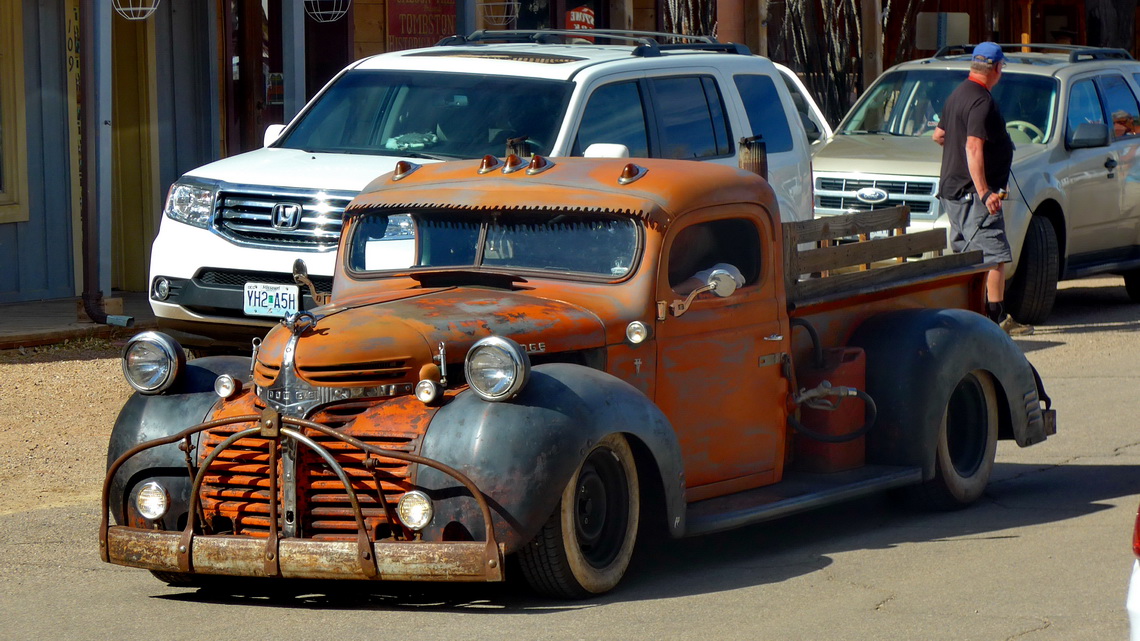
(293, 55)
(872, 43)
(754, 156)
(730, 20)
(762, 27)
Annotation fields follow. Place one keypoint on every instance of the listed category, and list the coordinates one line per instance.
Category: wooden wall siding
(35, 256)
(369, 25)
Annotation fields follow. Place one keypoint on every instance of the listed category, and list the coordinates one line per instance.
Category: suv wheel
(1132, 285)
(1030, 295)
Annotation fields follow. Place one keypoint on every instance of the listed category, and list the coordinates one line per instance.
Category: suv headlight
(497, 368)
(191, 201)
(152, 362)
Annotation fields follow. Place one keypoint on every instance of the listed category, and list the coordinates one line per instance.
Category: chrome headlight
(497, 368)
(152, 501)
(191, 201)
(415, 510)
(152, 362)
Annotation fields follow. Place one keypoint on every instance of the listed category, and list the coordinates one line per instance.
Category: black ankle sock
(994, 311)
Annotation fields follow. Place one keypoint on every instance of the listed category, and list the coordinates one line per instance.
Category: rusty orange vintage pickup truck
(546, 359)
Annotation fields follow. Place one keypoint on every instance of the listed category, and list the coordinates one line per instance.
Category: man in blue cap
(976, 156)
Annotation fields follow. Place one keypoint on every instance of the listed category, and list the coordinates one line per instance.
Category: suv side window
(1084, 106)
(614, 114)
(1120, 103)
(690, 114)
(765, 111)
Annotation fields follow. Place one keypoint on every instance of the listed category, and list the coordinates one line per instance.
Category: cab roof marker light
(513, 164)
(630, 173)
(404, 169)
(538, 164)
(489, 164)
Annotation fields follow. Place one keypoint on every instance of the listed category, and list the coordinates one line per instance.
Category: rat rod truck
(536, 374)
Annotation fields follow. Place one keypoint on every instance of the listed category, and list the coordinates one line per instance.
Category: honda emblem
(286, 216)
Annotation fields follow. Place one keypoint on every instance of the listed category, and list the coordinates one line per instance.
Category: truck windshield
(909, 103)
(431, 114)
(597, 245)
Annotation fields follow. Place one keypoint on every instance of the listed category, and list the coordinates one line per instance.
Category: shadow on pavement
(1019, 495)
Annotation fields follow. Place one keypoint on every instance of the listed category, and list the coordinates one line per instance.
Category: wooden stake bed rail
(834, 270)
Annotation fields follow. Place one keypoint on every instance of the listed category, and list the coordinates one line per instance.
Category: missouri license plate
(264, 299)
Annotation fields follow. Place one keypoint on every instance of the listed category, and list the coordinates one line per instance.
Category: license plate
(263, 299)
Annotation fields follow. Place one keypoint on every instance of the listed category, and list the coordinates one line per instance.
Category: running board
(798, 492)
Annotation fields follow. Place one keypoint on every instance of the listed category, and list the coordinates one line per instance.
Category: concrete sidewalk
(55, 321)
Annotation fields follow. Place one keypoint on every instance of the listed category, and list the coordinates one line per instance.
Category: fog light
(414, 510)
(152, 501)
(161, 289)
(226, 386)
(427, 391)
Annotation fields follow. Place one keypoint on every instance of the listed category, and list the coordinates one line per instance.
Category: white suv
(221, 267)
(1074, 117)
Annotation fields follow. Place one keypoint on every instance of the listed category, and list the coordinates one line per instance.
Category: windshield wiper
(864, 132)
(457, 277)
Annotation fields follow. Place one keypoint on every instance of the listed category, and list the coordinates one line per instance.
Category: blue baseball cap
(988, 52)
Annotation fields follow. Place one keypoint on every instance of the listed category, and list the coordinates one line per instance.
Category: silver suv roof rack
(646, 43)
(1077, 53)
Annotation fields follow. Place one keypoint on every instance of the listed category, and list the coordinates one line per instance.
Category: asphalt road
(1044, 555)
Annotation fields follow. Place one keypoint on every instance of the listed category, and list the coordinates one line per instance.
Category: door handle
(1110, 164)
(774, 337)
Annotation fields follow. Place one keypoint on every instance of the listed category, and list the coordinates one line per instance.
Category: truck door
(719, 373)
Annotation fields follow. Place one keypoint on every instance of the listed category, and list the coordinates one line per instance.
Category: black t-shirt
(971, 111)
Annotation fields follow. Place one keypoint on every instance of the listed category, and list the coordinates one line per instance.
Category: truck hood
(294, 168)
(387, 340)
(893, 155)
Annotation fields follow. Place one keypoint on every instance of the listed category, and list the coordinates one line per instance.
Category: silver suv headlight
(152, 362)
(497, 368)
(191, 201)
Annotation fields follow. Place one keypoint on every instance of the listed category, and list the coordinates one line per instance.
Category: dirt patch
(57, 406)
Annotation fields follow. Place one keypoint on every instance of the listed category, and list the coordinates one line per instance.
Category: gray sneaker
(1014, 328)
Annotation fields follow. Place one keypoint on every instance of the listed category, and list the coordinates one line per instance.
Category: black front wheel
(585, 546)
(1033, 289)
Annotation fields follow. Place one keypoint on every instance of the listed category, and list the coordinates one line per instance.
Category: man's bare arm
(939, 135)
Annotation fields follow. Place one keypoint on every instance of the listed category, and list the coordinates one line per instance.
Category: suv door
(1091, 182)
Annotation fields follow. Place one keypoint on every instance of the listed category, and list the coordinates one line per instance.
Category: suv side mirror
(1089, 134)
(272, 133)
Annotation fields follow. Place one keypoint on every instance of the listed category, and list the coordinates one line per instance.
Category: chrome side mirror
(720, 282)
(301, 277)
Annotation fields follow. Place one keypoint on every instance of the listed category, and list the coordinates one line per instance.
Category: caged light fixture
(327, 10)
(135, 9)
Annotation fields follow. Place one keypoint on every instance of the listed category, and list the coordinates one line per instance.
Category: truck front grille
(235, 490)
(836, 194)
(294, 220)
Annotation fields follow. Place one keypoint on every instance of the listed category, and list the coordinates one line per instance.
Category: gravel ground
(57, 406)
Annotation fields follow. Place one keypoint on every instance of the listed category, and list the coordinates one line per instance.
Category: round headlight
(152, 501)
(414, 510)
(152, 362)
(497, 368)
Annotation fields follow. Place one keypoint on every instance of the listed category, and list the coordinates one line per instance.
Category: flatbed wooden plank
(852, 283)
(870, 251)
(843, 225)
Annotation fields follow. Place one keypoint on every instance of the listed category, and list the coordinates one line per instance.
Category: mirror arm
(681, 306)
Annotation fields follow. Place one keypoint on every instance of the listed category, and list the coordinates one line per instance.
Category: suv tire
(1132, 285)
(1033, 289)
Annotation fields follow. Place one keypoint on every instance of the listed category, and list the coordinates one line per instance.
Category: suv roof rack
(1077, 53)
(646, 42)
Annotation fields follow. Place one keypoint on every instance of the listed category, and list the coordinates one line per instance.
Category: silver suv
(1073, 114)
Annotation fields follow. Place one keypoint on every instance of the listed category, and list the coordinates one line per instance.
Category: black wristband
(986, 196)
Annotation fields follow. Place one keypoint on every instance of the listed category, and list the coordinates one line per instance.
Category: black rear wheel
(585, 546)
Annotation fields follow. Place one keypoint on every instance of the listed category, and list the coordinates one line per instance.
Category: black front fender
(915, 358)
(148, 417)
(522, 453)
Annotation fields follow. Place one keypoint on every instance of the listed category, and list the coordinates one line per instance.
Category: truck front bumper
(305, 558)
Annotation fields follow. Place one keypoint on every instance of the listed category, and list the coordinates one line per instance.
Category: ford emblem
(872, 195)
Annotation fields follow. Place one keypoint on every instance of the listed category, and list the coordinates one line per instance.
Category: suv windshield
(431, 114)
(909, 103)
(581, 243)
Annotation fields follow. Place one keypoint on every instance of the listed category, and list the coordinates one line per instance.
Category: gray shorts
(972, 227)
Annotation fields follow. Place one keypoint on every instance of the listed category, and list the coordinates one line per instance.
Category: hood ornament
(298, 322)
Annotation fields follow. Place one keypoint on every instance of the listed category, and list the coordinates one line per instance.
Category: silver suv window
(906, 103)
(446, 115)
